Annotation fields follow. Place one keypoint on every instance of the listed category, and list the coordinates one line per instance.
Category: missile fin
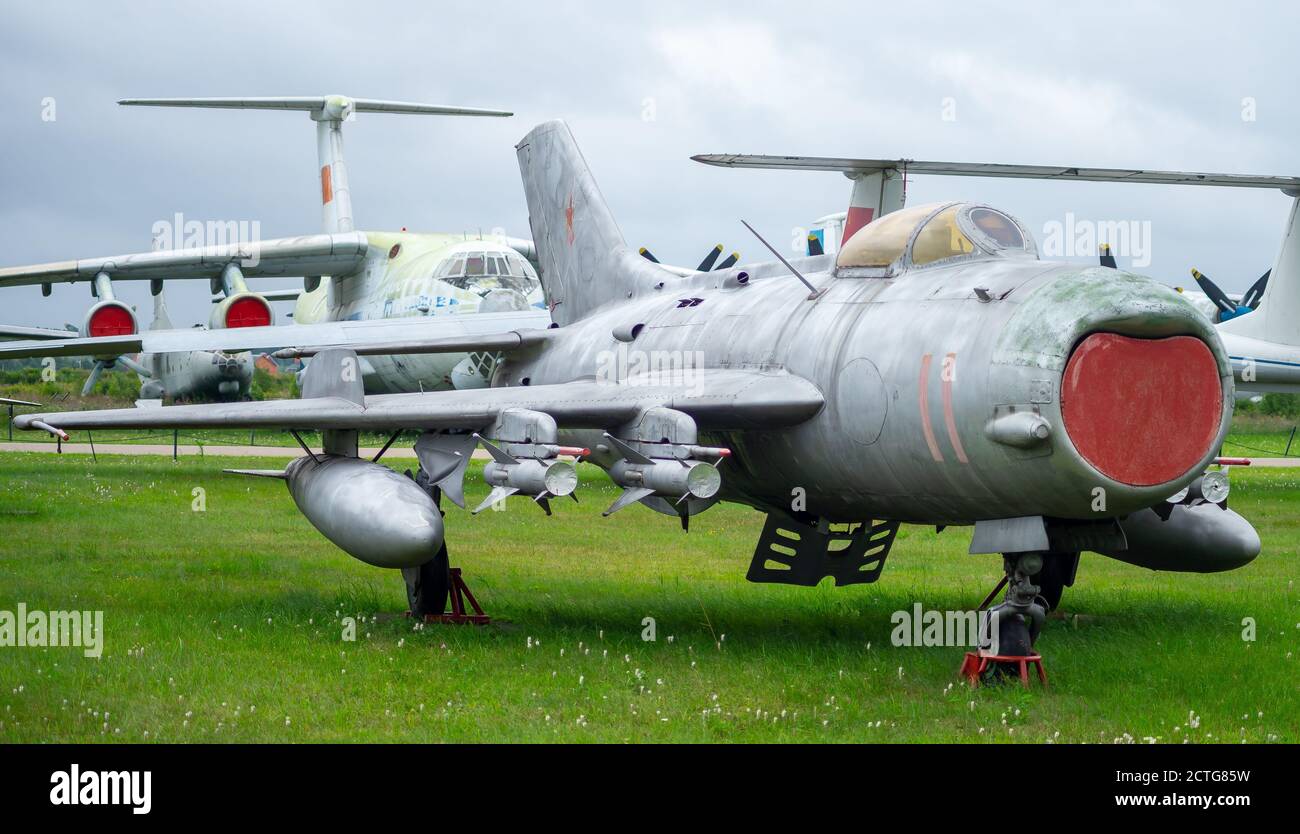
(444, 458)
(630, 496)
(627, 451)
(500, 493)
(498, 454)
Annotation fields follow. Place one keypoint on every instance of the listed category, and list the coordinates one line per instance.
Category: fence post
(175, 441)
(1288, 442)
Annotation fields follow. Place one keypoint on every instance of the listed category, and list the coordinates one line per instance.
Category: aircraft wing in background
(308, 255)
(426, 334)
(16, 331)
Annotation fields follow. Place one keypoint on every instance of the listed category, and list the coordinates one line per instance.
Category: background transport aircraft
(935, 371)
(188, 374)
(359, 287)
(1264, 345)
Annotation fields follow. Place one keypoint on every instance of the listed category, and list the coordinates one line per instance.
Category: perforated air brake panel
(790, 552)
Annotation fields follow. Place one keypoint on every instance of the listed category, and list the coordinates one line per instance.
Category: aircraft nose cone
(1130, 379)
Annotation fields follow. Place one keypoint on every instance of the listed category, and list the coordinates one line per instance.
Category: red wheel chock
(459, 594)
(975, 664)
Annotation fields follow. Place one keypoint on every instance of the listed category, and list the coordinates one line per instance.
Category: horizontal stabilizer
(315, 103)
(985, 169)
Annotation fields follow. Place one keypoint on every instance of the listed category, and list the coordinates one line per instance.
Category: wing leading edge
(718, 400)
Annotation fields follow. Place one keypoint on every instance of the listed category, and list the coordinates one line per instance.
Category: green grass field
(227, 625)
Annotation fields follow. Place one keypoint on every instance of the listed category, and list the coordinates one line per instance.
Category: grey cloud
(1158, 85)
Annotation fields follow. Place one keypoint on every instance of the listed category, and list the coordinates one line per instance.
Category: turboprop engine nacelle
(369, 511)
(242, 309)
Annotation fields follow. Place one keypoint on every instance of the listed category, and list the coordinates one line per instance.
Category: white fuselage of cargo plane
(411, 275)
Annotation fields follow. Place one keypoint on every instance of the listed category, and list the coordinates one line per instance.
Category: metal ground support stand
(459, 594)
(974, 666)
(1018, 620)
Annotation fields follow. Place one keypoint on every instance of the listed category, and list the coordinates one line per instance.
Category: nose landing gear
(1009, 629)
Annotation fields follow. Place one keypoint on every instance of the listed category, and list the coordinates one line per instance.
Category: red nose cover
(248, 312)
(111, 320)
(1142, 411)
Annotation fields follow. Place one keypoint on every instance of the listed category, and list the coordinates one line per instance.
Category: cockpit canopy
(933, 234)
(487, 269)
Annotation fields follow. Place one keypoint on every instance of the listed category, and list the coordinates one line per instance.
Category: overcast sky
(1201, 87)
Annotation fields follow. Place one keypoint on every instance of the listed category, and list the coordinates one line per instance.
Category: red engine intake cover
(111, 320)
(1142, 411)
(248, 312)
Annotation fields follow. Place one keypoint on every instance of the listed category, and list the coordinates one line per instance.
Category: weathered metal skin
(371, 512)
(864, 343)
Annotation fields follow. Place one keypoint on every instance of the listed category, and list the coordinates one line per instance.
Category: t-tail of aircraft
(585, 261)
(329, 113)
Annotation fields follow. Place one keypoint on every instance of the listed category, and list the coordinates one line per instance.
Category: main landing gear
(1009, 629)
(430, 586)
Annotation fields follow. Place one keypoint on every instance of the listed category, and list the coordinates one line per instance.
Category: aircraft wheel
(1057, 573)
(427, 586)
(1014, 640)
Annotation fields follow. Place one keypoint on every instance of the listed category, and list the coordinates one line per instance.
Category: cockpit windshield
(932, 234)
(487, 270)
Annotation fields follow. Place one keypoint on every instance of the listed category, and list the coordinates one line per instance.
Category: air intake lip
(1142, 412)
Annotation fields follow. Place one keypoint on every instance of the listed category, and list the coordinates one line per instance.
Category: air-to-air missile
(932, 371)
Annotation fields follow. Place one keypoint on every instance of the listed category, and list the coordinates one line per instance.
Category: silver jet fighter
(935, 372)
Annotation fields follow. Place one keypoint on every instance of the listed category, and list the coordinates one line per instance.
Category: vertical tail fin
(585, 261)
(161, 321)
(1277, 319)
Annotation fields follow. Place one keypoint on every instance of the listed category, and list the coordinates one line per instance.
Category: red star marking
(568, 220)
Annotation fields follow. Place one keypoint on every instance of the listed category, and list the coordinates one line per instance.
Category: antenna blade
(815, 292)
